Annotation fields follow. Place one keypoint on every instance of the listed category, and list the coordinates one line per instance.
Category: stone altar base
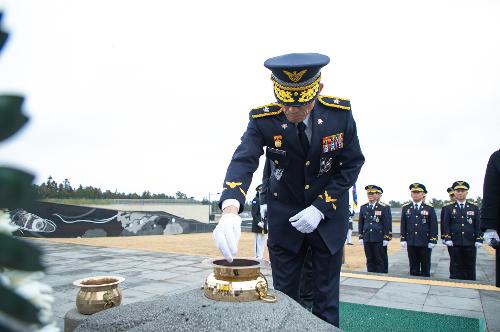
(192, 311)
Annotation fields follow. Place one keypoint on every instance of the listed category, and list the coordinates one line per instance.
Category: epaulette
(473, 203)
(335, 102)
(448, 203)
(266, 110)
(382, 203)
(428, 204)
(406, 204)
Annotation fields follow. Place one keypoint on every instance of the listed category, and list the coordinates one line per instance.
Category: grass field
(201, 244)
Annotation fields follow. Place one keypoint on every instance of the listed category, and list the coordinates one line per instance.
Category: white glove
(489, 235)
(360, 241)
(227, 235)
(260, 224)
(449, 243)
(443, 241)
(385, 243)
(263, 211)
(431, 245)
(307, 220)
(403, 244)
(478, 244)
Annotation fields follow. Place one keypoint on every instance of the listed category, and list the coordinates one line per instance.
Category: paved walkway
(150, 275)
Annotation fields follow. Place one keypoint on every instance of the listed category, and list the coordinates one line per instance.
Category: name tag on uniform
(470, 213)
(378, 213)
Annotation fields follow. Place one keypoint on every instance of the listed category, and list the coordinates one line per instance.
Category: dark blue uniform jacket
(419, 228)
(374, 225)
(321, 178)
(462, 226)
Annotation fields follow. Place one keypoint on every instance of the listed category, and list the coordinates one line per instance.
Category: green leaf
(18, 254)
(15, 188)
(18, 307)
(11, 116)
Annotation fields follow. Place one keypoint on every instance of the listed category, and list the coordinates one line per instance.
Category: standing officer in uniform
(490, 209)
(313, 143)
(389, 237)
(419, 231)
(462, 229)
(373, 229)
(259, 225)
(451, 194)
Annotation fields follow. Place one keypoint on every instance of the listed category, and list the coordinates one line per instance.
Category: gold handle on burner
(262, 289)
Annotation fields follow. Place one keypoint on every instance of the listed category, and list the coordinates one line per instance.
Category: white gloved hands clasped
(227, 235)
(385, 243)
(360, 241)
(478, 244)
(260, 224)
(403, 244)
(307, 220)
(489, 235)
(263, 211)
(449, 243)
(431, 245)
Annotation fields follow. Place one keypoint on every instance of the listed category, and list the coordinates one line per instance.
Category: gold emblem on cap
(415, 185)
(294, 76)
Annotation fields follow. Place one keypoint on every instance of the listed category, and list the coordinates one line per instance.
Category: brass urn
(238, 281)
(98, 293)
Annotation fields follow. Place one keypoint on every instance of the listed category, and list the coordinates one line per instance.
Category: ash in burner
(236, 262)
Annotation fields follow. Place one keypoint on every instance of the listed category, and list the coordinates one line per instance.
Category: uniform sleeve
(490, 209)
(361, 222)
(243, 164)
(403, 225)
(387, 224)
(434, 226)
(349, 165)
(266, 175)
(477, 226)
(445, 224)
(441, 218)
(389, 213)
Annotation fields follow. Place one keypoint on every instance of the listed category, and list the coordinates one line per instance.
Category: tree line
(53, 190)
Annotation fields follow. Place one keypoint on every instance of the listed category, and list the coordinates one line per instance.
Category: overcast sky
(155, 95)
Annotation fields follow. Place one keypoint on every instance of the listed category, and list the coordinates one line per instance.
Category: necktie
(303, 137)
(415, 206)
(461, 207)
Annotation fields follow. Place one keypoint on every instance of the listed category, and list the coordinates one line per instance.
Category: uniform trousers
(374, 252)
(259, 245)
(420, 261)
(306, 295)
(463, 262)
(386, 260)
(287, 267)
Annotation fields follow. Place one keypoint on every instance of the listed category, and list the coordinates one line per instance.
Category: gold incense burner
(238, 281)
(97, 294)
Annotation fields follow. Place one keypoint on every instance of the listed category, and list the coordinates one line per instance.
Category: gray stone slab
(159, 275)
(401, 287)
(390, 296)
(453, 302)
(160, 287)
(191, 311)
(453, 312)
(189, 269)
(70, 255)
(493, 324)
(396, 305)
(453, 291)
(364, 283)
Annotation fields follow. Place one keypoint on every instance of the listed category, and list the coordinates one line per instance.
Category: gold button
(276, 162)
(462, 225)
(308, 163)
(462, 232)
(307, 186)
(416, 232)
(415, 224)
(275, 194)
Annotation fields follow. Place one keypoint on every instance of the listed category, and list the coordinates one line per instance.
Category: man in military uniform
(374, 229)
(451, 194)
(462, 229)
(389, 237)
(490, 209)
(419, 231)
(312, 141)
(259, 225)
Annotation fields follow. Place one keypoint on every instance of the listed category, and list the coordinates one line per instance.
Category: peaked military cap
(373, 189)
(3, 35)
(450, 190)
(296, 77)
(418, 187)
(460, 185)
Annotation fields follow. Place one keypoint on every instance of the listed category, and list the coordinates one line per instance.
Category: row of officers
(460, 231)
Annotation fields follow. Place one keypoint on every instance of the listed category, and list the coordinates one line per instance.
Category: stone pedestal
(72, 319)
(192, 311)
